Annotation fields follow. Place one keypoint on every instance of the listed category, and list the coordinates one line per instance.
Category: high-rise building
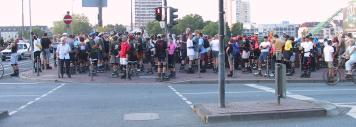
(237, 11)
(145, 11)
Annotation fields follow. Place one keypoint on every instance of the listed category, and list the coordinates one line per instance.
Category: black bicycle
(336, 77)
(38, 65)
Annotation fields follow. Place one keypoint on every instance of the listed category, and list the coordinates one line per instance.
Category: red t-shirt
(125, 47)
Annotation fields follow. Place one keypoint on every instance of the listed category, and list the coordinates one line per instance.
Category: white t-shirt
(328, 53)
(37, 45)
(190, 50)
(63, 51)
(265, 44)
(307, 46)
(215, 45)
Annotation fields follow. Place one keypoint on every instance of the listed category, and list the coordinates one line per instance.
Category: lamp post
(31, 42)
(23, 24)
(131, 17)
(221, 55)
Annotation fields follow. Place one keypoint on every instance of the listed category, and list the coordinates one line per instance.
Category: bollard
(280, 81)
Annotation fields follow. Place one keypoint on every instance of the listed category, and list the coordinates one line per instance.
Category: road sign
(67, 19)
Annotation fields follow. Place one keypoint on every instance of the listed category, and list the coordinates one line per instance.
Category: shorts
(46, 53)
(183, 53)
(215, 54)
(13, 59)
(83, 55)
(123, 61)
(106, 56)
(263, 56)
(196, 55)
(37, 54)
(256, 53)
(72, 57)
(161, 59)
(191, 57)
(171, 61)
(100, 55)
(203, 56)
(278, 55)
(114, 59)
(287, 55)
(330, 64)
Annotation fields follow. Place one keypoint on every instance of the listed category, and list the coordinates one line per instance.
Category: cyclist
(82, 55)
(328, 58)
(93, 51)
(265, 48)
(114, 51)
(161, 48)
(36, 52)
(45, 42)
(351, 53)
(171, 58)
(123, 55)
(307, 48)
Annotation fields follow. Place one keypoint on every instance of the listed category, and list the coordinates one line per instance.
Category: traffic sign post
(68, 20)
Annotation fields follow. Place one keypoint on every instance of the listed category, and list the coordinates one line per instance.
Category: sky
(44, 12)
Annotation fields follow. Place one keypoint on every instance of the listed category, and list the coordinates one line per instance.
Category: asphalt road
(34, 104)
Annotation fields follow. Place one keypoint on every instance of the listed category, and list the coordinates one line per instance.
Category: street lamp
(22, 28)
(221, 55)
(31, 42)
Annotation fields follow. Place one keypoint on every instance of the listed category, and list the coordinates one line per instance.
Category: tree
(211, 28)
(192, 21)
(154, 28)
(80, 24)
(237, 29)
(35, 30)
(117, 28)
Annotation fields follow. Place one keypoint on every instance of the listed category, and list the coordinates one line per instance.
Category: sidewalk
(181, 78)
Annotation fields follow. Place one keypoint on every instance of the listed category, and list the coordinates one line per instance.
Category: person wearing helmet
(93, 50)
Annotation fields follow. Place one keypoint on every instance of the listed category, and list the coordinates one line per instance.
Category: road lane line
(181, 96)
(243, 92)
(35, 100)
(351, 113)
(20, 83)
(19, 95)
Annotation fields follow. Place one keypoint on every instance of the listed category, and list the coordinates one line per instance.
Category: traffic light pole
(165, 20)
(221, 55)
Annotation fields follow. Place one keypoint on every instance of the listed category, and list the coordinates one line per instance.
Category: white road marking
(19, 83)
(243, 92)
(35, 100)
(351, 113)
(347, 103)
(19, 95)
(181, 96)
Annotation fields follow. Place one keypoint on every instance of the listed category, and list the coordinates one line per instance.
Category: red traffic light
(158, 13)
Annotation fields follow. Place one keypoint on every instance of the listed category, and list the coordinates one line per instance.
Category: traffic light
(158, 13)
(171, 18)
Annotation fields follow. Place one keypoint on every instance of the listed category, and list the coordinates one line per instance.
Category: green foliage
(80, 24)
(211, 28)
(237, 29)
(154, 28)
(36, 30)
(118, 28)
(192, 21)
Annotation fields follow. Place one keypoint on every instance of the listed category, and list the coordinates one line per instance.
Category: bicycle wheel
(1, 70)
(354, 76)
(332, 81)
(38, 66)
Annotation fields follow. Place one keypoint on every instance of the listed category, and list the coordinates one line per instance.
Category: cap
(64, 34)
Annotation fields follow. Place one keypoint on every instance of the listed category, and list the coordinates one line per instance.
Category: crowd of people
(126, 54)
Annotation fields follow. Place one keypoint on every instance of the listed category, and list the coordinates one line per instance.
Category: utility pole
(23, 24)
(100, 15)
(31, 42)
(131, 17)
(221, 55)
(165, 20)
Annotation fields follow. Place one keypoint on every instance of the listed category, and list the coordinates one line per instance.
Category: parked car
(23, 51)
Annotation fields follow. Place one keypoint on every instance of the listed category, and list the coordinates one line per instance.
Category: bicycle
(336, 77)
(38, 65)
(2, 70)
(93, 68)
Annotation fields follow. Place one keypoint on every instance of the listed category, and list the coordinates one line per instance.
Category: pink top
(171, 48)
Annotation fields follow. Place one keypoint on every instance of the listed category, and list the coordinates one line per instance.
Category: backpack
(235, 49)
(206, 43)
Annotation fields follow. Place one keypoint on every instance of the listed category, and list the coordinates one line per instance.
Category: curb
(323, 110)
(22, 76)
(229, 81)
(4, 114)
